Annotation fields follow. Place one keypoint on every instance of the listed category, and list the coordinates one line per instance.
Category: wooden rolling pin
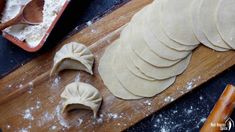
(221, 111)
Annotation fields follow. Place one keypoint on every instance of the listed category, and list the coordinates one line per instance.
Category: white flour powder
(32, 34)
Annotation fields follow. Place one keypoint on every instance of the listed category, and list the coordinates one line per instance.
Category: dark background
(186, 114)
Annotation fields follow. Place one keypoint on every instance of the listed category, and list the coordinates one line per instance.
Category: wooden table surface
(30, 99)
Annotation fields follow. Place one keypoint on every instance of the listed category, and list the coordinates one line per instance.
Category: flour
(32, 34)
(89, 23)
(56, 82)
(169, 99)
(28, 115)
(8, 126)
(148, 102)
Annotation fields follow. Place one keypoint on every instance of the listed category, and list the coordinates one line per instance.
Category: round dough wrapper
(153, 24)
(160, 73)
(108, 76)
(138, 45)
(122, 51)
(208, 20)
(136, 85)
(226, 21)
(176, 21)
(138, 30)
(197, 26)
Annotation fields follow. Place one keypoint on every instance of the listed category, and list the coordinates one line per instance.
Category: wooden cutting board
(30, 99)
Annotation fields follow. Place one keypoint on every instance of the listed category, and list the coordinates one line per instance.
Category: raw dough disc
(154, 44)
(108, 76)
(208, 19)
(136, 85)
(153, 24)
(226, 21)
(143, 50)
(197, 26)
(123, 52)
(176, 21)
(156, 72)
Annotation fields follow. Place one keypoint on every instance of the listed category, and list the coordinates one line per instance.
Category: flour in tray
(32, 34)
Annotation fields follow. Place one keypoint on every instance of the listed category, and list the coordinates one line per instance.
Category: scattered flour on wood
(169, 99)
(56, 81)
(93, 31)
(60, 117)
(192, 82)
(20, 86)
(148, 102)
(8, 126)
(89, 23)
(28, 114)
(53, 127)
(77, 78)
(30, 91)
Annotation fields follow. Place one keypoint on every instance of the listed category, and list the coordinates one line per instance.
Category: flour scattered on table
(20, 86)
(56, 82)
(31, 83)
(30, 88)
(148, 102)
(93, 30)
(169, 99)
(77, 78)
(28, 114)
(61, 119)
(113, 115)
(89, 23)
(192, 82)
(8, 127)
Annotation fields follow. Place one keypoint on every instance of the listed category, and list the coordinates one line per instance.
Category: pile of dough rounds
(157, 44)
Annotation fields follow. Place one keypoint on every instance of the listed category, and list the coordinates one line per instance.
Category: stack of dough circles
(157, 44)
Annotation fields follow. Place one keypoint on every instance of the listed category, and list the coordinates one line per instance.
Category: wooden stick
(221, 111)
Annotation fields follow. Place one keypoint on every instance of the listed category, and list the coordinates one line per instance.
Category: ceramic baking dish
(24, 45)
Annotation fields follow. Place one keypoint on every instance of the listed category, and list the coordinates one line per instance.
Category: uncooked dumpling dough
(176, 21)
(78, 95)
(136, 85)
(154, 48)
(108, 76)
(159, 73)
(197, 26)
(152, 42)
(153, 24)
(208, 19)
(143, 50)
(122, 49)
(74, 56)
(226, 21)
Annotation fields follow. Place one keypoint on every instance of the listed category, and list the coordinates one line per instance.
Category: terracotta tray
(24, 45)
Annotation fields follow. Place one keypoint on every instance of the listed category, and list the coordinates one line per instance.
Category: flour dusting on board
(56, 81)
(192, 82)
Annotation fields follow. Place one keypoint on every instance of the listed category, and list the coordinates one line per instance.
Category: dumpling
(78, 95)
(73, 56)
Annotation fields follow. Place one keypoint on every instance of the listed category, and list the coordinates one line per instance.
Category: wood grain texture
(17, 95)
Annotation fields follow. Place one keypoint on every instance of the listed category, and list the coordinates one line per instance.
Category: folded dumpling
(73, 56)
(78, 95)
